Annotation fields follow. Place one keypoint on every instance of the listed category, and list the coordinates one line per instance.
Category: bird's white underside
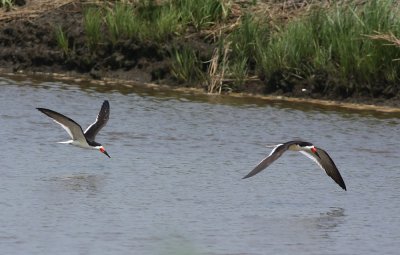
(81, 144)
(310, 156)
(274, 149)
(66, 129)
(78, 137)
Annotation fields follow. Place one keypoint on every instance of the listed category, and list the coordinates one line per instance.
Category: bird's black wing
(274, 155)
(326, 163)
(101, 121)
(74, 129)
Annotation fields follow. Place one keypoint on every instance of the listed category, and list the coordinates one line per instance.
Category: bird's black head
(304, 144)
(310, 147)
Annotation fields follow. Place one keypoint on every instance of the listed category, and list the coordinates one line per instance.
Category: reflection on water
(330, 220)
(83, 182)
(298, 232)
(174, 182)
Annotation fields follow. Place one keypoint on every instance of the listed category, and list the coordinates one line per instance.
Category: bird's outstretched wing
(74, 129)
(274, 155)
(326, 163)
(101, 121)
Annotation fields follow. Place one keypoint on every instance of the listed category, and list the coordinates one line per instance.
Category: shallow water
(173, 184)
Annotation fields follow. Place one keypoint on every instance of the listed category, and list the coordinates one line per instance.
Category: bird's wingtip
(343, 186)
(247, 176)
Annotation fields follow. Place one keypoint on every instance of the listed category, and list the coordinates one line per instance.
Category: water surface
(173, 184)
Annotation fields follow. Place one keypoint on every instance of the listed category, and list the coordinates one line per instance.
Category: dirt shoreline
(28, 46)
(328, 104)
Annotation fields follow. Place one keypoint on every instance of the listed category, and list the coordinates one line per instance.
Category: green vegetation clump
(62, 39)
(201, 14)
(244, 43)
(121, 22)
(149, 21)
(186, 65)
(93, 23)
(337, 42)
(7, 4)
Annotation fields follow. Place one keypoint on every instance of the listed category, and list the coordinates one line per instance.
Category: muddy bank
(125, 86)
(28, 44)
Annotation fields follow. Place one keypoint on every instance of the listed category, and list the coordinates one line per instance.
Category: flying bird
(80, 138)
(320, 157)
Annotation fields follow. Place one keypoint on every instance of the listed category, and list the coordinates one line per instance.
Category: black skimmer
(320, 156)
(80, 138)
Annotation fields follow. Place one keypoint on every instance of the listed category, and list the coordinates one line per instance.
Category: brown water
(173, 184)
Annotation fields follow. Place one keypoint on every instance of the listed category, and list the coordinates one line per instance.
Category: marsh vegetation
(323, 49)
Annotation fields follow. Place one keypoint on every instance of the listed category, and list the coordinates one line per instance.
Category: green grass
(148, 21)
(335, 41)
(62, 40)
(186, 65)
(158, 22)
(6, 4)
(121, 22)
(93, 23)
(145, 22)
(201, 14)
(166, 25)
(239, 72)
(245, 41)
(290, 49)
